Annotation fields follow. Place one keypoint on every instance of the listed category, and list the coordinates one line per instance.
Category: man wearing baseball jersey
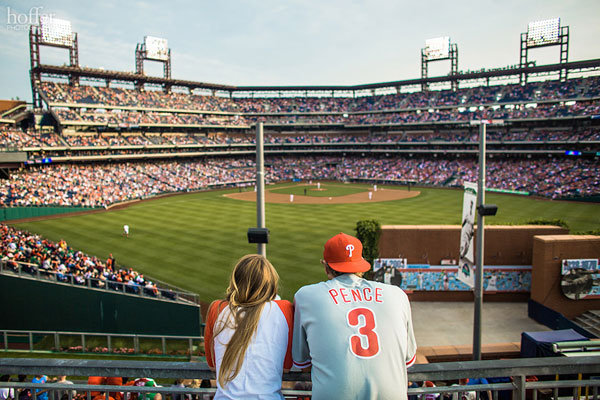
(355, 335)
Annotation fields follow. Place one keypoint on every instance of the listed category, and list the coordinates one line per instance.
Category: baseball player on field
(355, 336)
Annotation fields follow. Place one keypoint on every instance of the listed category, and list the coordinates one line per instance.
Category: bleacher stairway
(590, 321)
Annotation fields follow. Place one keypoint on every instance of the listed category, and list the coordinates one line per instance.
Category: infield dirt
(363, 197)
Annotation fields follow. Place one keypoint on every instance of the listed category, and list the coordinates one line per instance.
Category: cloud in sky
(295, 42)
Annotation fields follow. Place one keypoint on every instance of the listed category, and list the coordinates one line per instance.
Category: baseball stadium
(128, 198)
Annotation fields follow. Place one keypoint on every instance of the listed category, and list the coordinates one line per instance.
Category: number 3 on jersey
(365, 344)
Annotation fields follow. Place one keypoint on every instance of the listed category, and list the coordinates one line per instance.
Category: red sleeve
(288, 311)
(213, 312)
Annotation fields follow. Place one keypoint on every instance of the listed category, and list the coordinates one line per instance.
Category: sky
(293, 42)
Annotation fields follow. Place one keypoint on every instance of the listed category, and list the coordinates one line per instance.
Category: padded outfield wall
(28, 304)
(430, 244)
(18, 213)
(548, 253)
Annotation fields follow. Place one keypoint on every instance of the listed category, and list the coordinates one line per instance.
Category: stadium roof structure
(107, 75)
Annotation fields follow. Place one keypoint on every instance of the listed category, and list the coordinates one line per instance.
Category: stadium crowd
(32, 254)
(430, 115)
(578, 88)
(17, 138)
(549, 99)
(11, 137)
(100, 185)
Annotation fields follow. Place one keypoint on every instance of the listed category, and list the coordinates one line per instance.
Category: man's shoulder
(387, 286)
(310, 288)
(391, 290)
(309, 291)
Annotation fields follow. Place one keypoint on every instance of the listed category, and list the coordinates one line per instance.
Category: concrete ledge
(492, 351)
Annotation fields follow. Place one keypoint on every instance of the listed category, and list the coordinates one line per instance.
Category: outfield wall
(548, 253)
(36, 305)
(15, 213)
(430, 244)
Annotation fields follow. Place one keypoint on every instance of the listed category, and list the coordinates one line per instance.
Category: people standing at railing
(354, 335)
(429, 396)
(6, 393)
(178, 396)
(248, 335)
(484, 395)
(41, 394)
(146, 382)
(96, 380)
(464, 395)
(23, 393)
(62, 394)
(115, 381)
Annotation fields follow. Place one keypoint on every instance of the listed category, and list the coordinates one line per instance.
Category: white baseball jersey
(358, 337)
(267, 355)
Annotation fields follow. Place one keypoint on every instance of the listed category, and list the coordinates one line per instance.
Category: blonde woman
(248, 336)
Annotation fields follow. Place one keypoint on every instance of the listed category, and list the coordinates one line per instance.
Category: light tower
(543, 34)
(438, 49)
(52, 32)
(153, 49)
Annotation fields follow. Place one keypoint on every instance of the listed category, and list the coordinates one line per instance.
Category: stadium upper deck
(98, 106)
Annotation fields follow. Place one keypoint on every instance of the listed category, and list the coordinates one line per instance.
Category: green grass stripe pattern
(193, 240)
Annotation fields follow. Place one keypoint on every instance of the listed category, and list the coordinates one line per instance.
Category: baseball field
(193, 240)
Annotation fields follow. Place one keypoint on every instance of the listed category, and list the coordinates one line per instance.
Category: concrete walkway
(450, 324)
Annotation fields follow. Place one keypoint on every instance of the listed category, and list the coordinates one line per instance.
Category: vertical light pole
(479, 257)
(260, 186)
(482, 210)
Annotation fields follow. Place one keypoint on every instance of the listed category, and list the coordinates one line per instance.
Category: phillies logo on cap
(350, 248)
(343, 253)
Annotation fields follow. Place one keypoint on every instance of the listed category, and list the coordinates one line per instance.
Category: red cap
(343, 253)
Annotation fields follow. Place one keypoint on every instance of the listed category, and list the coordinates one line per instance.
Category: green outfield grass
(193, 240)
(326, 190)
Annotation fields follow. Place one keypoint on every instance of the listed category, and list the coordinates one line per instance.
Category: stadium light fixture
(437, 48)
(156, 48)
(56, 31)
(548, 32)
(540, 33)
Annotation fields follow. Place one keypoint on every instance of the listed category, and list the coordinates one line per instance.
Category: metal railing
(580, 376)
(108, 349)
(34, 271)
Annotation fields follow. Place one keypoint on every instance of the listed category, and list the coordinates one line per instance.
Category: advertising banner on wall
(466, 261)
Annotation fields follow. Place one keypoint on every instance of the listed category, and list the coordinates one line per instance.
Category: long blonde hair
(253, 282)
